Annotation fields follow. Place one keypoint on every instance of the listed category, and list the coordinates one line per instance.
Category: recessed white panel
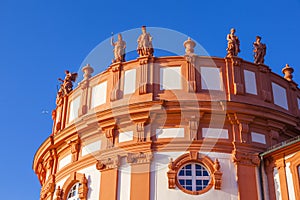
(170, 133)
(259, 138)
(210, 78)
(215, 133)
(125, 136)
(74, 108)
(170, 78)
(90, 148)
(99, 94)
(279, 95)
(250, 82)
(130, 81)
(64, 161)
(124, 182)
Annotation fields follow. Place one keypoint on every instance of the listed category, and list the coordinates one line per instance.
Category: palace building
(175, 127)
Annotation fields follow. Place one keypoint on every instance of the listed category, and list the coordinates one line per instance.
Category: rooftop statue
(119, 49)
(67, 84)
(145, 47)
(259, 51)
(233, 45)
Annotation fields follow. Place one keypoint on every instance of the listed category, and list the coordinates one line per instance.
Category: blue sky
(40, 39)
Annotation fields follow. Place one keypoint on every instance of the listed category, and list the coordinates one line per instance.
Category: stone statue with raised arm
(67, 84)
(145, 47)
(259, 51)
(119, 49)
(233, 45)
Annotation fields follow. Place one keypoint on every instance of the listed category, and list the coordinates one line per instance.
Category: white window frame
(194, 177)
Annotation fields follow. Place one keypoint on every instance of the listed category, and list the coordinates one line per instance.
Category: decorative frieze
(193, 127)
(58, 193)
(83, 188)
(110, 137)
(144, 72)
(116, 73)
(41, 172)
(217, 175)
(244, 158)
(75, 148)
(108, 163)
(48, 188)
(140, 132)
(137, 158)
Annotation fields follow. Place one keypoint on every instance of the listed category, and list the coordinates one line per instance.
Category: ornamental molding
(74, 148)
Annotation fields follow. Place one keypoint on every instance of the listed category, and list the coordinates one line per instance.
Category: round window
(193, 177)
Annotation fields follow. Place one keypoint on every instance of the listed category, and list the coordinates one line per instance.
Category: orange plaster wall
(109, 184)
(140, 182)
(247, 183)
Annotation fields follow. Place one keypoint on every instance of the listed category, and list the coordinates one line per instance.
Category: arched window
(75, 187)
(73, 194)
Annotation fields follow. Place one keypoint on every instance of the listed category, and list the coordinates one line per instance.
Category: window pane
(99, 94)
(193, 177)
(170, 78)
(188, 182)
(250, 82)
(279, 95)
(129, 81)
(189, 188)
(74, 107)
(189, 173)
(210, 78)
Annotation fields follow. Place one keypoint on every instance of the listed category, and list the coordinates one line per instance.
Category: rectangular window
(99, 94)
(250, 82)
(279, 95)
(90, 148)
(170, 133)
(125, 136)
(259, 138)
(129, 81)
(170, 78)
(74, 108)
(215, 133)
(211, 78)
(299, 103)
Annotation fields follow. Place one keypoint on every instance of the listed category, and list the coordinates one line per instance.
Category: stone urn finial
(189, 46)
(87, 71)
(288, 72)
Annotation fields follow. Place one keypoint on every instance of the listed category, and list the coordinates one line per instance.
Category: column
(140, 175)
(246, 165)
(280, 164)
(269, 169)
(109, 177)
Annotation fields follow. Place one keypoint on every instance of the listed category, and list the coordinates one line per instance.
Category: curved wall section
(129, 132)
